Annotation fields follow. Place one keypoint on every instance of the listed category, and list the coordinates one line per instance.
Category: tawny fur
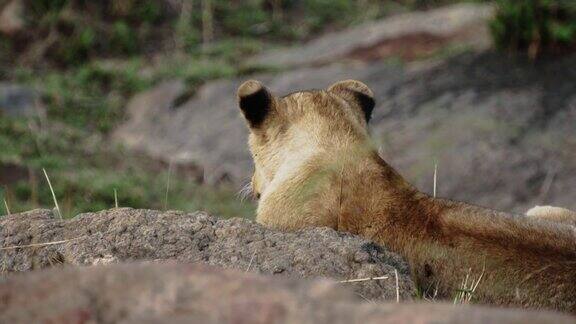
(553, 214)
(315, 166)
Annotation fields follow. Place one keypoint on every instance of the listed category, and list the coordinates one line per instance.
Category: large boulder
(127, 235)
(177, 293)
(501, 130)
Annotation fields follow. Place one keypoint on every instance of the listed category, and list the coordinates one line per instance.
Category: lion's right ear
(255, 101)
(358, 92)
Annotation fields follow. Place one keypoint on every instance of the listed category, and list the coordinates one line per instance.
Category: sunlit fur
(315, 165)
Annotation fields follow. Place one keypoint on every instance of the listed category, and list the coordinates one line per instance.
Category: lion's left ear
(255, 102)
(358, 92)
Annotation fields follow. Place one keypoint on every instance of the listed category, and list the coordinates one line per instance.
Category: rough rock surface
(502, 131)
(407, 35)
(127, 235)
(184, 293)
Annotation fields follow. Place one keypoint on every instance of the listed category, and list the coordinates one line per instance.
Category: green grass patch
(93, 96)
(85, 174)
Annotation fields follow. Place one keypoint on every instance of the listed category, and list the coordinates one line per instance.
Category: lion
(315, 165)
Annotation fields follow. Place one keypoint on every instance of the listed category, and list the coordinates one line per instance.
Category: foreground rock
(127, 234)
(179, 293)
(407, 36)
(502, 131)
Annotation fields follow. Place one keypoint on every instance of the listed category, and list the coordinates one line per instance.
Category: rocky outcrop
(180, 293)
(127, 235)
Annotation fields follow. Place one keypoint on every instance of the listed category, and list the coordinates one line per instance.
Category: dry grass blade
(40, 244)
(547, 184)
(7, 208)
(364, 279)
(475, 285)
(435, 178)
(251, 259)
(115, 198)
(466, 292)
(53, 194)
(464, 288)
(168, 185)
(397, 286)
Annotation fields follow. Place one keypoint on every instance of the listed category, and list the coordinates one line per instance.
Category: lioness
(315, 166)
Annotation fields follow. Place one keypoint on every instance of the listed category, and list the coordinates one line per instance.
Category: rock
(152, 110)
(20, 101)
(184, 293)
(126, 235)
(502, 131)
(407, 35)
(12, 17)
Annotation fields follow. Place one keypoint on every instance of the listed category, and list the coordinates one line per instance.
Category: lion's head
(285, 130)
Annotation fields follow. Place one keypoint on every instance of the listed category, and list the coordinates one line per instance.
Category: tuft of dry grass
(467, 289)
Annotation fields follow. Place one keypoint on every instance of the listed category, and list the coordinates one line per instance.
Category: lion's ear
(255, 101)
(358, 92)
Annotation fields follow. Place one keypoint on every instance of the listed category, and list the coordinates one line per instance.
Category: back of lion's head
(284, 130)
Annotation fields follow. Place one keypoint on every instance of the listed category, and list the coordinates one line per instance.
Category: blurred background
(131, 103)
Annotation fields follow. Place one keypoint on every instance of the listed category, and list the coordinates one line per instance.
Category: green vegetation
(73, 32)
(93, 95)
(535, 27)
(89, 57)
(85, 175)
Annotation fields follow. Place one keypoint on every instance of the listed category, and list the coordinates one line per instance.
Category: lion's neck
(377, 202)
